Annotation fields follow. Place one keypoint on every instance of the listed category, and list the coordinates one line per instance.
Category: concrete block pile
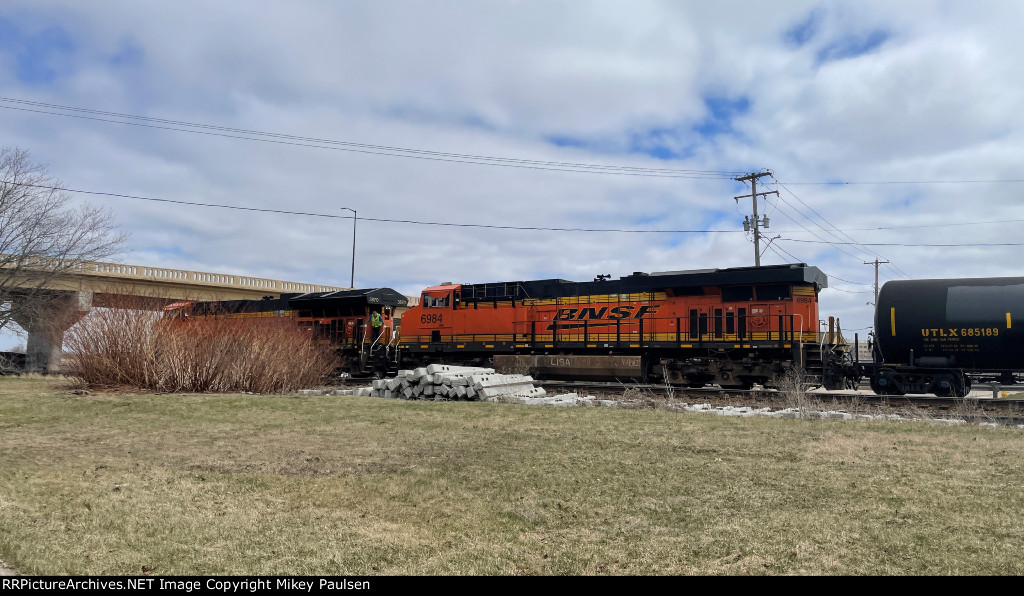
(456, 383)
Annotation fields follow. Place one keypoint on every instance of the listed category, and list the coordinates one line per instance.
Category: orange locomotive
(732, 327)
(342, 318)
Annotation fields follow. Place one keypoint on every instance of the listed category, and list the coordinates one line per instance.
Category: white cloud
(936, 99)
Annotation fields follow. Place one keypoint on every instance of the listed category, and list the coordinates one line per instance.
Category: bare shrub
(793, 387)
(639, 399)
(132, 347)
(969, 409)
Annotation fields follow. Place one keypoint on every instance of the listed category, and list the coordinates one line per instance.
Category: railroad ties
(456, 383)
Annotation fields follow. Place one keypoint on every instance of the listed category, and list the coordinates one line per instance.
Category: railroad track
(999, 411)
(1011, 409)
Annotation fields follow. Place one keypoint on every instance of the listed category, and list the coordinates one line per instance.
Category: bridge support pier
(50, 316)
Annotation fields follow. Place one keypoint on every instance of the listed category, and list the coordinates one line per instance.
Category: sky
(890, 128)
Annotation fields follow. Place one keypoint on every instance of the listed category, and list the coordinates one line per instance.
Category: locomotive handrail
(375, 340)
(362, 344)
(391, 340)
(630, 331)
(397, 344)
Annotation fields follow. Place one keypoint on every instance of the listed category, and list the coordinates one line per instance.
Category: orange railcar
(341, 318)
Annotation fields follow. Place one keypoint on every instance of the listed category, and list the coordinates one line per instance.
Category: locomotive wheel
(648, 367)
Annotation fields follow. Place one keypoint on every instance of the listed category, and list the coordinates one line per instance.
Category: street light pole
(355, 216)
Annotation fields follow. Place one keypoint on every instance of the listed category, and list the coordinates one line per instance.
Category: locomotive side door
(704, 323)
(779, 321)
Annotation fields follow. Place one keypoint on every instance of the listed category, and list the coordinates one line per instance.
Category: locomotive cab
(437, 305)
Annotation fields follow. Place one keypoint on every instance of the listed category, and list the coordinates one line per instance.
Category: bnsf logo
(596, 314)
(616, 313)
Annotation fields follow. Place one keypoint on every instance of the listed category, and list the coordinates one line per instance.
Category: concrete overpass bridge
(71, 289)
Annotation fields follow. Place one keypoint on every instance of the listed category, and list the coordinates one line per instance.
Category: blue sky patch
(721, 113)
(669, 142)
(851, 46)
(660, 143)
(567, 141)
(38, 57)
(801, 33)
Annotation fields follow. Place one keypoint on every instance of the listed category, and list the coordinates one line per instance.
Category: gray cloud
(864, 91)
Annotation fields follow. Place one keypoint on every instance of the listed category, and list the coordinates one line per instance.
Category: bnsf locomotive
(731, 327)
(341, 318)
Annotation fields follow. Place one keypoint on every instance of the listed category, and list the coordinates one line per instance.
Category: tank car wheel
(885, 384)
(950, 386)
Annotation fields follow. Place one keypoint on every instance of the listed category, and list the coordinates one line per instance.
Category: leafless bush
(638, 399)
(969, 409)
(793, 387)
(130, 347)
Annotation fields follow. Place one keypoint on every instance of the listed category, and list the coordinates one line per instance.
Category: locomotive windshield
(436, 301)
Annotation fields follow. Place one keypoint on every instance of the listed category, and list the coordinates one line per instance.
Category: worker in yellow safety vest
(377, 323)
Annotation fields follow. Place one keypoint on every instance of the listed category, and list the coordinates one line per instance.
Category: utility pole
(755, 224)
(355, 216)
(876, 263)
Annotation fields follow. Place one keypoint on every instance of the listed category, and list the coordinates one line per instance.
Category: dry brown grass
(277, 485)
(129, 347)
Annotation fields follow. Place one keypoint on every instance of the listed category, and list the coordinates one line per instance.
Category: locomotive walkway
(72, 289)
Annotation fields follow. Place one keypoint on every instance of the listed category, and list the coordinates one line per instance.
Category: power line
(376, 219)
(821, 217)
(852, 182)
(811, 232)
(384, 150)
(843, 234)
(394, 151)
(956, 245)
(940, 225)
(773, 248)
(487, 226)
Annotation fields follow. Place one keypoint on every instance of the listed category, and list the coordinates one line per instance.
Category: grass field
(248, 484)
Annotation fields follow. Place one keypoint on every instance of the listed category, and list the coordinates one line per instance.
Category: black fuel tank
(975, 323)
